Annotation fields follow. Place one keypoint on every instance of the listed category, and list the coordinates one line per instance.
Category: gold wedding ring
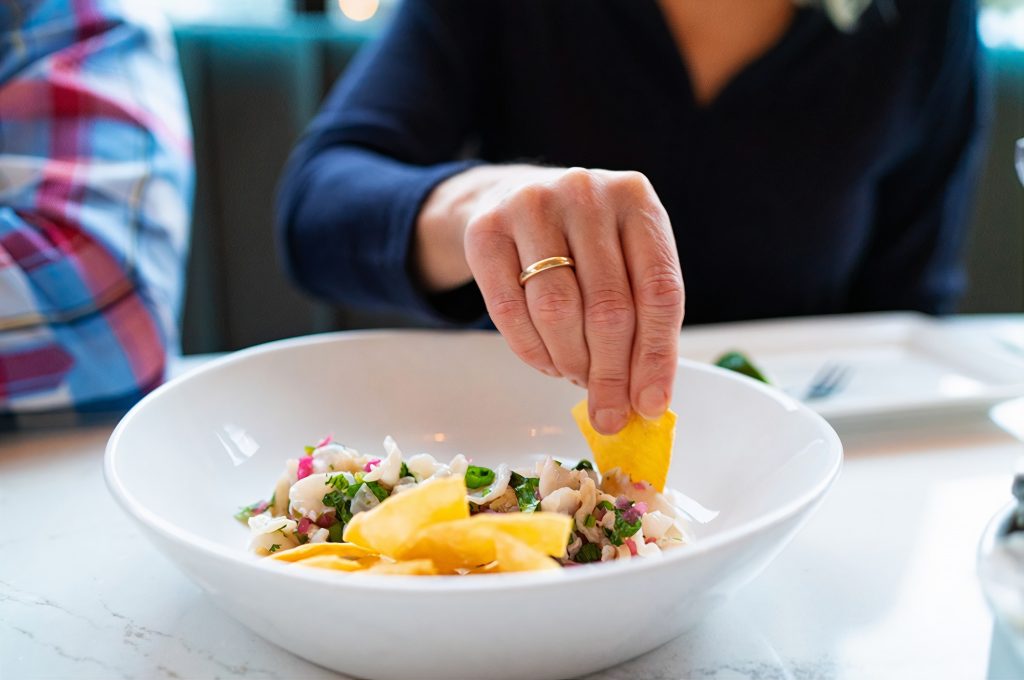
(542, 265)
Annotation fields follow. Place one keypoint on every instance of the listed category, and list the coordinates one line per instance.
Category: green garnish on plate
(741, 363)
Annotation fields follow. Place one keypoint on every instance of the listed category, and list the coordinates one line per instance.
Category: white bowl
(184, 459)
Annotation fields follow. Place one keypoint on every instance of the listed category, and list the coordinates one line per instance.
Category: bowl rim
(439, 584)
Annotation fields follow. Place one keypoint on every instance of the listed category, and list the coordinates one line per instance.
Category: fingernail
(653, 402)
(609, 420)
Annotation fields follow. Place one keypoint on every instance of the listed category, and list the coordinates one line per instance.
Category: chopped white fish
(266, 532)
(306, 496)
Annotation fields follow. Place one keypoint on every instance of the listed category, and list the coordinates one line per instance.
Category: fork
(829, 379)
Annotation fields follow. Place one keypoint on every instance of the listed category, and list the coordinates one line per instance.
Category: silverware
(830, 378)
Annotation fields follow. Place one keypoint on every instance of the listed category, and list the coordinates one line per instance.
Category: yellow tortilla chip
(642, 449)
(316, 549)
(337, 563)
(392, 523)
(404, 568)
(471, 543)
(464, 546)
(547, 532)
(511, 554)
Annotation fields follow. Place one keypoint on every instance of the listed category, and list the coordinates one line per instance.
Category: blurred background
(256, 71)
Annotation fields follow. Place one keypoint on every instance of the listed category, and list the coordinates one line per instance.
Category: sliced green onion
(584, 465)
(477, 477)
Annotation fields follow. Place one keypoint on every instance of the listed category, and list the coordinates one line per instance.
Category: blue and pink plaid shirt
(95, 198)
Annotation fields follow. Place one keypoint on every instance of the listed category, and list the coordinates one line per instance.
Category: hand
(612, 325)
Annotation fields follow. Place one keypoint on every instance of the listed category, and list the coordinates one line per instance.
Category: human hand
(612, 325)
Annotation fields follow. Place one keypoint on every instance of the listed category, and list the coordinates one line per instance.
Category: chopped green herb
(274, 548)
(584, 465)
(557, 462)
(590, 521)
(248, 511)
(589, 552)
(303, 538)
(622, 529)
(334, 532)
(404, 471)
(340, 498)
(526, 491)
(477, 477)
(309, 450)
(379, 491)
(606, 505)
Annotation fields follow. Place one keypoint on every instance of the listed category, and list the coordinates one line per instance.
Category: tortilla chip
(547, 532)
(642, 449)
(337, 563)
(393, 523)
(471, 543)
(404, 568)
(301, 552)
(511, 554)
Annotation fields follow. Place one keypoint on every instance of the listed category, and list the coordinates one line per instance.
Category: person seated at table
(95, 192)
(791, 165)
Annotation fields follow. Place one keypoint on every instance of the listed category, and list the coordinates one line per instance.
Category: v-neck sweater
(831, 174)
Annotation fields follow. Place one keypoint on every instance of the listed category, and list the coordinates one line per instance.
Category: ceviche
(335, 507)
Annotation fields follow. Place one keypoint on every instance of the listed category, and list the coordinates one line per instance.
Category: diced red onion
(631, 544)
(325, 441)
(262, 507)
(304, 525)
(305, 467)
(650, 539)
(370, 464)
(623, 503)
(325, 520)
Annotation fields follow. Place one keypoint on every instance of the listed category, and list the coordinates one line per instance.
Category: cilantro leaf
(404, 471)
(589, 552)
(378, 490)
(274, 548)
(526, 491)
(584, 464)
(334, 532)
(622, 529)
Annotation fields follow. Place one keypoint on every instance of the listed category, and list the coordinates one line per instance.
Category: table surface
(879, 583)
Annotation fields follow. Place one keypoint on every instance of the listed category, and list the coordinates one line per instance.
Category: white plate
(183, 460)
(900, 363)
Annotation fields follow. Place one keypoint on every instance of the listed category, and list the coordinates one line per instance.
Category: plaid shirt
(95, 193)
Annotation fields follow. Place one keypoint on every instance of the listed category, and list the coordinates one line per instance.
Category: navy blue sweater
(833, 174)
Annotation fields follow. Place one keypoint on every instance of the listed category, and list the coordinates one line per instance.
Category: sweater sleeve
(389, 132)
(924, 200)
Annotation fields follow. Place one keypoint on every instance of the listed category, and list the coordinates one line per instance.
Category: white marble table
(879, 584)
